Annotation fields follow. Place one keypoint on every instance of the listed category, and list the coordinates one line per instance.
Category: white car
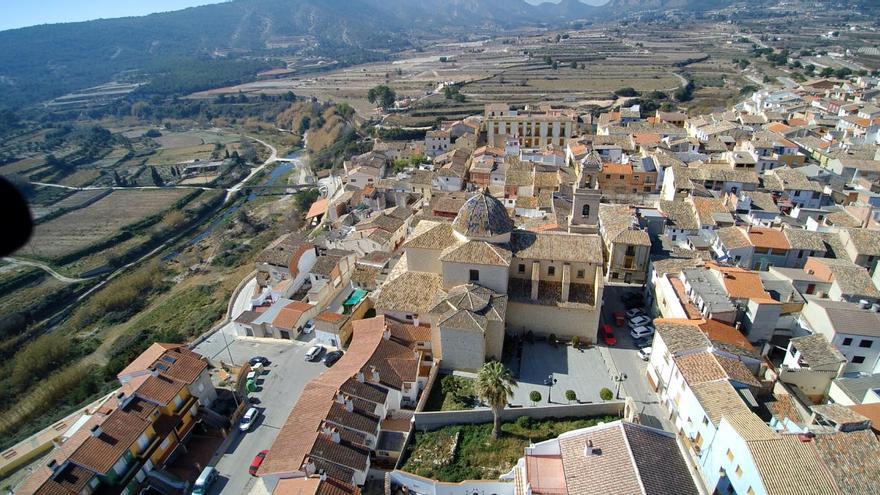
(645, 353)
(308, 327)
(634, 312)
(641, 332)
(639, 321)
(247, 421)
(314, 352)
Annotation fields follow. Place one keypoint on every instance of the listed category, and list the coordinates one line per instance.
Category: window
(739, 472)
(474, 276)
(866, 343)
(630, 250)
(581, 274)
(551, 270)
(729, 455)
(858, 359)
(750, 491)
(607, 176)
(705, 421)
(847, 341)
(521, 268)
(585, 211)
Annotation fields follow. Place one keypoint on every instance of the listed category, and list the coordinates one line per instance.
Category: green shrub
(570, 396)
(535, 396)
(606, 394)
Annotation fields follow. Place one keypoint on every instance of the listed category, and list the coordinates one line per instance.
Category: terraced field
(81, 228)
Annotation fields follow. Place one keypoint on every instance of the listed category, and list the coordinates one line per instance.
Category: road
(273, 157)
(278, 391)
(47, 269)
(626, 359)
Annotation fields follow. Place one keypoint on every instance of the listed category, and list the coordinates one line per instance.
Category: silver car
(247, 421)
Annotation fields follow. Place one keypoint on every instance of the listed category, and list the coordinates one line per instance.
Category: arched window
(585, 211)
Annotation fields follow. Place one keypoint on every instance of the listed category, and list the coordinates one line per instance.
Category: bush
(626, 92)
(552, 338)
(570, 396)
(606, 394)
(535, 397)
(575, 341)
(524, 422)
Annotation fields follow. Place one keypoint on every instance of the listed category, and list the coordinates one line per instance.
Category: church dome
(482, 217)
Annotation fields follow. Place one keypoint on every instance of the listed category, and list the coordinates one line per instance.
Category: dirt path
(47, 269)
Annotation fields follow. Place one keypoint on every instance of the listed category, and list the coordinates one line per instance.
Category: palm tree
(495, 386)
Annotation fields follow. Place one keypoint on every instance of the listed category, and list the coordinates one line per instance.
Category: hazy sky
(21, 13)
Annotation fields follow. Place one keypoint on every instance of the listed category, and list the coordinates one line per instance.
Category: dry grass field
(81, 228)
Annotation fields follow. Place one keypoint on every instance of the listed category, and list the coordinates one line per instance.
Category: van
(204, 481)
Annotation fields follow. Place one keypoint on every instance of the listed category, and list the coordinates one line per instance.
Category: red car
(608, 335)
(255, 464)
(619, 319)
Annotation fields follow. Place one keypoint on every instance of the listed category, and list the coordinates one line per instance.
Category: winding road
(45, 268)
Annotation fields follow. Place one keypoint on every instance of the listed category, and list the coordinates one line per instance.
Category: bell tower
(584, 218)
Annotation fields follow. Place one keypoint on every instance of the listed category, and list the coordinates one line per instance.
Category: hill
(229, 42)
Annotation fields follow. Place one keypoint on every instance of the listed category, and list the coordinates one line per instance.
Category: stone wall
(427, 421)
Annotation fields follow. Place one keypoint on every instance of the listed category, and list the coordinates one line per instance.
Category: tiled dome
(482, 216)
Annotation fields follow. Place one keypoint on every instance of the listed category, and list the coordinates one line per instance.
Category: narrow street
(626, 360)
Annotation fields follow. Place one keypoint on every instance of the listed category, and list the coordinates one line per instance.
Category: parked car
(639, 321)
(259, 360)
(645, 353)
(632, 313)
(314, 353)
(258, 460)
(204, 481)
(308, 327)
(619, 318)
(247, 421)
(331, 357)
(641, 332)
(608, 335)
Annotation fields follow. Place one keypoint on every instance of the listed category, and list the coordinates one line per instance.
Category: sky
(21, 13)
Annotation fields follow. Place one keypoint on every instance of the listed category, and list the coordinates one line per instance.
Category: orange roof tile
(290, 315)
(742, 284)
(319, 207)
(616, 168)
(768, 238)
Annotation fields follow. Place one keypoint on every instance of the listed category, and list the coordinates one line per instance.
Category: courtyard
(582, 370)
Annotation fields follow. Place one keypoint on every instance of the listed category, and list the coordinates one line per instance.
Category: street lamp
(549, 382)
(619, 379)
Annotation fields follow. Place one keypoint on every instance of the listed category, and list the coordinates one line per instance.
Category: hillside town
(707, 285)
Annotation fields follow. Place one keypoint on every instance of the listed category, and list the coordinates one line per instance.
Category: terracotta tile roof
(630, 459)
(617, 168)
(733, 237)
(681, 337)
(159, 389)
(411, 292)
(804, 240)
(853, 460)
(289, 316)
(768, 238)
(708, 209)
(432, 235)
(785, 407)
(700, 368)
(545, 473)
(408, 333)
(318, 208)
(719, 399)
(557, 246)
(742, 284)
(679, 214)
(300, 438)
(146, 359)
(788, 466)
(364, 391)
(737, 371)
(477, 253)
(117, 434)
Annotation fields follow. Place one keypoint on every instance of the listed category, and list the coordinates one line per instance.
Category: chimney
(323, 475)
(334, 435)
(374, 374)
(386, 334)
(349, 405)
(54, 466)
(96, 431)
(360, 377)
(588, 449)
(308, 466)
